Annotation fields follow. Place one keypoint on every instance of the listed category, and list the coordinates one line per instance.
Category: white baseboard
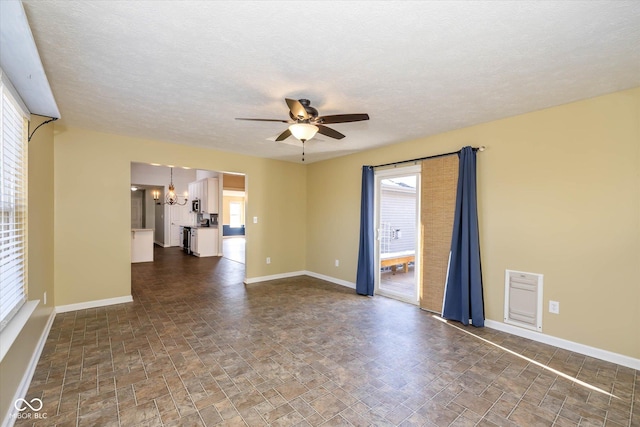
(301, 273)
(23, 387)
(586, 350)
(93, 304)
(331, 279)
(249, 281)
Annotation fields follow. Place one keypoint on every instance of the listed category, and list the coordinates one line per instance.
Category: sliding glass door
(398, 233)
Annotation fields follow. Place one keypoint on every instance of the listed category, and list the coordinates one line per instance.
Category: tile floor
(233, 248)
(197, 347)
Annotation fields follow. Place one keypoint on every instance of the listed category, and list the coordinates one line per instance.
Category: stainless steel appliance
(195, 206)
(186, 239)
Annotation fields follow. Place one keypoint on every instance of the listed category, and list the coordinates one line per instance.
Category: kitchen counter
(204, 241)
(141, 245)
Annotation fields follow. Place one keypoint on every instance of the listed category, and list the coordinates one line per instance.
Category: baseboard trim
(23, 387)
(93, 304)
(301, 273)
(586, 350)
(331, 279)
(251, 280)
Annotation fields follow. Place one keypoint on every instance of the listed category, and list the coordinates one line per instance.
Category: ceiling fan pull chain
(303, 150)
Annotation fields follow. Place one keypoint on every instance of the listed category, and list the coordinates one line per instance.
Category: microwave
(195, 205)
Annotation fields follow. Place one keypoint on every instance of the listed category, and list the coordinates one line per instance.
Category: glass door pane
(398, 236)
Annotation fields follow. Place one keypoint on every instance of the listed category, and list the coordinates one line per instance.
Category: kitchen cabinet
(204, 241)
(193, 192)
(210, 200)
(207, 191)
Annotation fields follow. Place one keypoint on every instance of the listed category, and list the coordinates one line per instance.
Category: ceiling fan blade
(297, 109)
(329, 132)
(284, 135)
(265, 120)
(342, 118)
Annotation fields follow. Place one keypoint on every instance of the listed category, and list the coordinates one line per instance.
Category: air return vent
(523, 299)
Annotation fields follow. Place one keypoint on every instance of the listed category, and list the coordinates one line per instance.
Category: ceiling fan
(305, 123)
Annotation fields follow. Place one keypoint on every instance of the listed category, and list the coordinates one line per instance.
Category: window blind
(13, 206)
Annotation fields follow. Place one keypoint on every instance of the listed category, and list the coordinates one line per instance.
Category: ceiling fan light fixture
(303, 131)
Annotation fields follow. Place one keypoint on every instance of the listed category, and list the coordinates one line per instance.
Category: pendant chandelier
(171, 198)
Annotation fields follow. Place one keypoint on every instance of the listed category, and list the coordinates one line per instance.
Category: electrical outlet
(255, 219)
(554, 307)
(337, 263)
(268, 260)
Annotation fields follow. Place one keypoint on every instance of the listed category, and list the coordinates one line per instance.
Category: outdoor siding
(397, 211)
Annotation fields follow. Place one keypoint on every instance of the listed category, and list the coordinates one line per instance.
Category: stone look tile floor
(197, 347)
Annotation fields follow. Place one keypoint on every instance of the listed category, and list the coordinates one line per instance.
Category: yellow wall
(92, 209)
(41, 226)
(41, 262)
(559, 194)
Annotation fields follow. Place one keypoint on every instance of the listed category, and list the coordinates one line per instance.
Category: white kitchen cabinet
(193, 193)
(204, 241)
(207, 191)
(210, 202)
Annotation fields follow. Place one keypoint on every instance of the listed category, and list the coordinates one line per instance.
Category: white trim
(586, 350)
(23, 387)
(22, 62)
(248, 281)
(233, 193)
(14, 94)
(15, 325)
(93, 304)
(331, 279)
(301, 273)
(379, 176)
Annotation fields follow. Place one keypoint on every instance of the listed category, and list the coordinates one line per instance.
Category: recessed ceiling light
(133, 188)
(155, 164)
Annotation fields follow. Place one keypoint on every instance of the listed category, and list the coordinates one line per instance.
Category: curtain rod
(481, 148)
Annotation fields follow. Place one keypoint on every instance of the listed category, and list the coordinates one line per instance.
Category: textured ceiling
(181, 71)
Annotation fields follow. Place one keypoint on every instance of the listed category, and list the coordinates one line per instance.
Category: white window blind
(13, 206)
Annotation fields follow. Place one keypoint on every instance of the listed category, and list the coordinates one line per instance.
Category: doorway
(397, 222)
(233, 217)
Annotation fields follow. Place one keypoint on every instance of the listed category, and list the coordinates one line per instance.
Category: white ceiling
(181, 71)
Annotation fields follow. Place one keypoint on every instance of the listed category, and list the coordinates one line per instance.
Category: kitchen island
(141, 245)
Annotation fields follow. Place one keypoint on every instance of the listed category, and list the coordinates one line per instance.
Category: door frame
(381, 175)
